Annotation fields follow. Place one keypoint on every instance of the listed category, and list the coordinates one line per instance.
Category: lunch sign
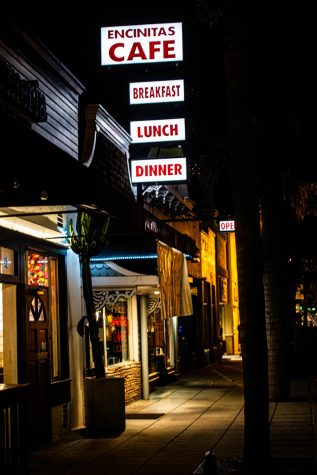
(138, 44)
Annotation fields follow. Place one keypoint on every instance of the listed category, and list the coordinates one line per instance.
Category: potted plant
(104, 397)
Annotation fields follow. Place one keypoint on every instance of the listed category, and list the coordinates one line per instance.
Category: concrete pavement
(171, 432)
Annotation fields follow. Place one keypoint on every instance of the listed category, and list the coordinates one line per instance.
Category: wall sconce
(44, 195)
(15, 183)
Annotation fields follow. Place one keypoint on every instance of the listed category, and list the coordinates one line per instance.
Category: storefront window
(156, 341)
(114, 332)
(37, 273)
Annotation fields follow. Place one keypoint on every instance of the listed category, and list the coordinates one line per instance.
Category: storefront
(33, 327)
(118, 296)
(228, 299)
(138, 311)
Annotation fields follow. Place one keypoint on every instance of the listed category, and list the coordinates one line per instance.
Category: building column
(144, 349)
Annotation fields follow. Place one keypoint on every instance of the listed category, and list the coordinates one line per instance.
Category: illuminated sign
(7, 261)
(227, 226)
(157, 130)
(141, 43)
(159, 170)
(156, 91)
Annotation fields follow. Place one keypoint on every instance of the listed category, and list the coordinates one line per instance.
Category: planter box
(104, 404)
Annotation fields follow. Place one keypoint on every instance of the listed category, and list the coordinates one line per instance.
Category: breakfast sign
(156, 92)
(137, 44)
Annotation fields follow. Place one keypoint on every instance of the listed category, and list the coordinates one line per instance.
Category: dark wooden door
(38, 364)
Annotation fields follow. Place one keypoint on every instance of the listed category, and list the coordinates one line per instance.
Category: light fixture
(44, 195)
(15, 183)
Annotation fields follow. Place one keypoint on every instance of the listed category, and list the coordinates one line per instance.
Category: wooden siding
(32, 61)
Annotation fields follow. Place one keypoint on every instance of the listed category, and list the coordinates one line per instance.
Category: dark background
(281, 42)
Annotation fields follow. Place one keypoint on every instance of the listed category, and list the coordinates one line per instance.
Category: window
(42, 272)
(114, 332)
(156, 340)
(8, 261)
(37, 266)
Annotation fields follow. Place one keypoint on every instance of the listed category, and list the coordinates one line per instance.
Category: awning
(35, 172)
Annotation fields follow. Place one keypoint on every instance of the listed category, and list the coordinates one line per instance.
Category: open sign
(227, 226)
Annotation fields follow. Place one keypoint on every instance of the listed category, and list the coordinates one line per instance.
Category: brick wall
(131, 372)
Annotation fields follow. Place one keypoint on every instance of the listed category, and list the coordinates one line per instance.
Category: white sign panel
(156, 91)
(159, 42)
(159, 170)
(164, 130)
(227, 226)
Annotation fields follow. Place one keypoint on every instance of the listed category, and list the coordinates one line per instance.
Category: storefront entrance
(8, 335)
(37, 363)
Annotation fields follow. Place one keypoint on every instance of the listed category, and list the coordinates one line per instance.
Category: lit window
(114, 332)
(37, 273)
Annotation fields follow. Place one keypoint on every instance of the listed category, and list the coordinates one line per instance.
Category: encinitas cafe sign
(137, 44)
(141, 44)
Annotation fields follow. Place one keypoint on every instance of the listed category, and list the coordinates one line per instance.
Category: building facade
(159, 283)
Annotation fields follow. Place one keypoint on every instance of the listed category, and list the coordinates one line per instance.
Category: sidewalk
(170, 433)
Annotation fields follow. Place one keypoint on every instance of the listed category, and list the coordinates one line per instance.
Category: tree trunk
(277, 131)
(91, 317)
(241, 153)
(275, 290)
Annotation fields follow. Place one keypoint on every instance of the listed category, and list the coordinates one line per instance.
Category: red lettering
(178, 169)
(169, 49)
(136, 52)
(174, 129)
(139, 170)
(162, 170)
(154, 46)
(152, 170)
(112, 52)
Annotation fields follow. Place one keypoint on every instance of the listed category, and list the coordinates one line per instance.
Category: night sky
(285, 31)
(74, 37)
(282, 40)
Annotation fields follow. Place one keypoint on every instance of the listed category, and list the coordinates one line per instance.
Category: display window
(156, 341)
(113, 324)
